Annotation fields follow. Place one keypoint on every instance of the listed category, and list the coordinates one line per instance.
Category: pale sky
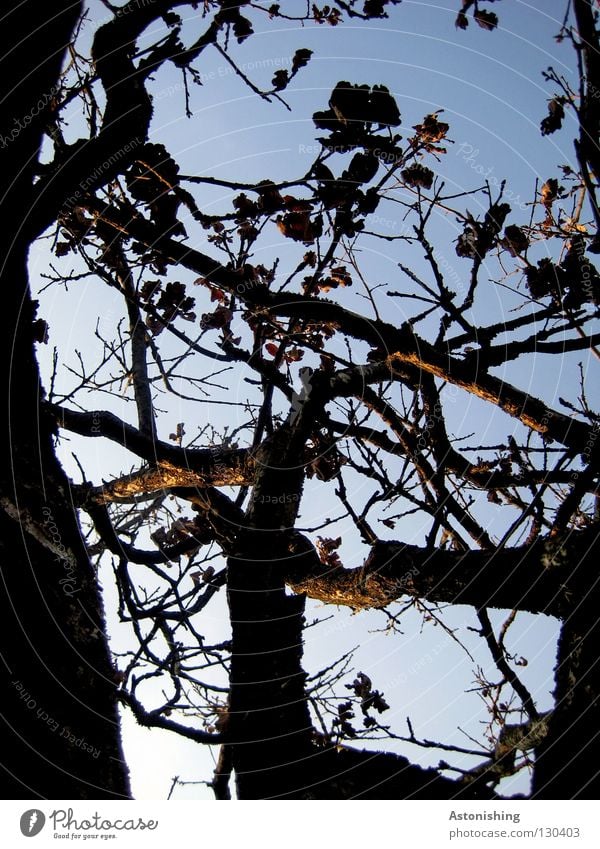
(493, 95)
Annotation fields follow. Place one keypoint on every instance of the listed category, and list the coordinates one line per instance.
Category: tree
(337, 396)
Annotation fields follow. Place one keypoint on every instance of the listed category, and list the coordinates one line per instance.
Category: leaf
(466, 244)
(294, 204)
(149, 289)
(429, 132)
(326, 120)
(326, 15)
(159, 536)
(495, 216)
(375, 8)
(349, 102)
(245, 207)
(294, 355)
(300, 227)
(338, 277)
(370, 699)
(171, 19)
(322, 173)
(216, 320)
(179, 433)
(368, 202)
(63, 248)
(247, 231)
(556, 113)
(174, 302)
(227, 337)
(549, 192)
(217, 294)
(363, 167)
(326, 549)
(327, 363)
(418, 175)
(515, 241)
(355, 108)
(545, 280)
(208, 573)
(242, 28)
(581, 276)
(342, 721)
(385, 112)
(301, 59)
(486, 20)
(271, 348)
(280, 80)
(153, 168)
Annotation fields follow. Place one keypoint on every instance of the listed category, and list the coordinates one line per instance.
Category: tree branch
(539, 578)
(170, 465)
(398, 345)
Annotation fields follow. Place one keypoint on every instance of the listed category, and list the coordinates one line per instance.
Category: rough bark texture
(59, 716)
(268, 713)
(568, 760)
(538, 578)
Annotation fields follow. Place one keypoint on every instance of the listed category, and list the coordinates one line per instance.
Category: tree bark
(545, 577)
(568, 760)
(59, 714)
(269, 723)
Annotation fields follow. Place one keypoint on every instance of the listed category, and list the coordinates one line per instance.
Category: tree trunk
(59, 712)
(568, 761)
(269, 722)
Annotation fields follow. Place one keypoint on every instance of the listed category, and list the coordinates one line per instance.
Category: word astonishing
(65, 819)
(484, 815)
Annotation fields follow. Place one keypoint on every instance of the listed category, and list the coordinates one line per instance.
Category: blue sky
(493, 95)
